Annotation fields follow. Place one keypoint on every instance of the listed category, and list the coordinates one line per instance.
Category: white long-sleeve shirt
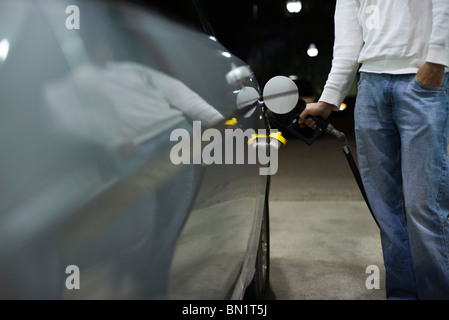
(385, 36)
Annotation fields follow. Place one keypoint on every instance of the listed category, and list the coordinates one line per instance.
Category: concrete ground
(322, 235)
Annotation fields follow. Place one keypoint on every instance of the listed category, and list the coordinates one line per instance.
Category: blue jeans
(402, 133)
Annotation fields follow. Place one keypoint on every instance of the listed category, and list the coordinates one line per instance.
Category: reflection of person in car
(131, 103)
(130, 110)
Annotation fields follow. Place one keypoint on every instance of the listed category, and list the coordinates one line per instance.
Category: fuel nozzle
(281, 96)
(290, 118)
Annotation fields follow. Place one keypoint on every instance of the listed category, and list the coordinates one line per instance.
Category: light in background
(312, 51)
(294, 6)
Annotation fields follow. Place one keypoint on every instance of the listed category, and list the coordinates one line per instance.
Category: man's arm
(347, 47)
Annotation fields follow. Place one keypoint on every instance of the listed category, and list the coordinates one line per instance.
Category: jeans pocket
(426, 87)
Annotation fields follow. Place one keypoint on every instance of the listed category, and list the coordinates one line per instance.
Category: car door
(94, 205)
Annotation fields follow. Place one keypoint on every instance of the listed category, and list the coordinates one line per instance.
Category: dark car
(109, 187)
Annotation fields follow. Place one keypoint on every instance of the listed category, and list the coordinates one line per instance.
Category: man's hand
(431, 74)
(320, 109)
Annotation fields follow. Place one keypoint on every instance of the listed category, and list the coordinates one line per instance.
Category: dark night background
(273, 41)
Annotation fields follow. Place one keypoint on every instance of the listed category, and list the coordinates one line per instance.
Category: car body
(92, 205)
